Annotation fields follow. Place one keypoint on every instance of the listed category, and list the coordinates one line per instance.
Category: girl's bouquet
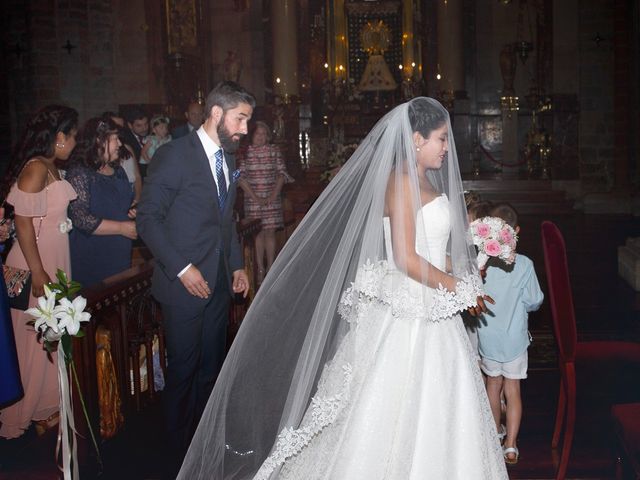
(494, 238)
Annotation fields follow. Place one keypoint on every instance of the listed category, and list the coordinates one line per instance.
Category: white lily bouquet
(58, 317)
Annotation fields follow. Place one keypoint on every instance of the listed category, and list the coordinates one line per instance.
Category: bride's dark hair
(425, 117)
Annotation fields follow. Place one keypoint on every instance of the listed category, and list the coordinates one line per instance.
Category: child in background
(159, 136)
(503, 338)
(476, 208)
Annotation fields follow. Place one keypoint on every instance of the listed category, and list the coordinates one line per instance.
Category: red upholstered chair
(570, 351)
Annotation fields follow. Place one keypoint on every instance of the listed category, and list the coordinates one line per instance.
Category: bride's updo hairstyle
(425, 116)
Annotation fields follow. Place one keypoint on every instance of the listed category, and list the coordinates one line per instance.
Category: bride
(352, 362)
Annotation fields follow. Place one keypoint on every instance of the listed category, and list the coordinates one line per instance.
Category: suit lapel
(230, 159)
(203, 162)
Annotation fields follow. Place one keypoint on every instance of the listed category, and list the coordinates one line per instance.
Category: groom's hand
(195, 283)
(241, 282)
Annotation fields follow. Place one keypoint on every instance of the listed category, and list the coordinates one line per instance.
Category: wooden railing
(126, 323)
(121, 305)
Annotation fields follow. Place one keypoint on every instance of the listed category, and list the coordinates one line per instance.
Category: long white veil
(334, 260)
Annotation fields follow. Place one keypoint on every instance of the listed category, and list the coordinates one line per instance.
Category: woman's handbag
(18, 283)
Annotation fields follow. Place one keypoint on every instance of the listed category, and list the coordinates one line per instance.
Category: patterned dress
(261, 167)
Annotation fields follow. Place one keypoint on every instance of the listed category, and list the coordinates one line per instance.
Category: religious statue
(232, 67)
(376, 38)
(111, 418)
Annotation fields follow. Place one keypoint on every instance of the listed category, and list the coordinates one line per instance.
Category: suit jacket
(128, 138)
(180, 131)
(180, 221)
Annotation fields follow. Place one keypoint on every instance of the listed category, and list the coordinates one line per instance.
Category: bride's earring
(417, 149)
(60, 145)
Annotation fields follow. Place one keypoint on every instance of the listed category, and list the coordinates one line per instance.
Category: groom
(185, 218)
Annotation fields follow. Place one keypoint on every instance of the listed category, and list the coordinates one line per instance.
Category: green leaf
(65, 341)
(62, 277)
(49, 347)
(73, 290)
(80, 333)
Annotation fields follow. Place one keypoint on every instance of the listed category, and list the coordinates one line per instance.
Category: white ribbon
(66, 427)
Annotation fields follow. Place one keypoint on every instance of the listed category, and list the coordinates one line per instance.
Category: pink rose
(492, 248)
(505, 236)
(483, 230)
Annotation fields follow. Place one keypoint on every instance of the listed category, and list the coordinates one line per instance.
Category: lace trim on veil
(406, 301)
(323, 412)
(369, 288)
(446, 303)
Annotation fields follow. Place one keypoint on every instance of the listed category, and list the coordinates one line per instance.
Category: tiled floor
(606, 308)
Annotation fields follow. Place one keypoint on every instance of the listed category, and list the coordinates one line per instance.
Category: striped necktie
(222, 182)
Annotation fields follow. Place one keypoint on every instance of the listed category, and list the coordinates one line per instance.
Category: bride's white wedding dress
(402, 398)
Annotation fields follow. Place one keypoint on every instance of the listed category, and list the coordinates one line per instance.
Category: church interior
(545, 108)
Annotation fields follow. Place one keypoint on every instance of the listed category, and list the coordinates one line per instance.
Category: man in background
(135, 134)
(194, 116)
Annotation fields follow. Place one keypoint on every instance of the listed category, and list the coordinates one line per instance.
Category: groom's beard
(227, 141)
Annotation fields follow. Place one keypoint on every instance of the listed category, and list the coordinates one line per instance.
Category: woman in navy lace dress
(102, 215)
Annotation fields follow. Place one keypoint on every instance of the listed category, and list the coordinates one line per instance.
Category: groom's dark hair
(228, 95)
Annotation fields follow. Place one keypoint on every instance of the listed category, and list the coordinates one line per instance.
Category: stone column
(285, 47)
(450, 54)
(408, 39)
(509, 105)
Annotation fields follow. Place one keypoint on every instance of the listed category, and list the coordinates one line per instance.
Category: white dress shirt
(210, 148)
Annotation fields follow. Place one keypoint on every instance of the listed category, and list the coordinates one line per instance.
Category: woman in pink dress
(262, 175)
(40, 197)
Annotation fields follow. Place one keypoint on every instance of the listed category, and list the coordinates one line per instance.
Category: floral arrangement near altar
(338, 154)
(495, 239)
(57, 318)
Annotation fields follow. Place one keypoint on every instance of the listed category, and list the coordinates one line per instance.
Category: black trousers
(195, 340)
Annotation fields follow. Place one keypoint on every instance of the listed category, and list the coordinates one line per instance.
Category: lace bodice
(432, 233)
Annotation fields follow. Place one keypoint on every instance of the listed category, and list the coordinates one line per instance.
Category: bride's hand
(481, 306)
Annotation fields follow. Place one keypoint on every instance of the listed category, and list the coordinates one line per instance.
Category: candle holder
(545, 155)
(509, 104)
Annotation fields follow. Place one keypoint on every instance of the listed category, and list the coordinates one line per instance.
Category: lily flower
(71, 314)
(45, 312)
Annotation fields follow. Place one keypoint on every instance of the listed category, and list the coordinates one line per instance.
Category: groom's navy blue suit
(180, 221)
